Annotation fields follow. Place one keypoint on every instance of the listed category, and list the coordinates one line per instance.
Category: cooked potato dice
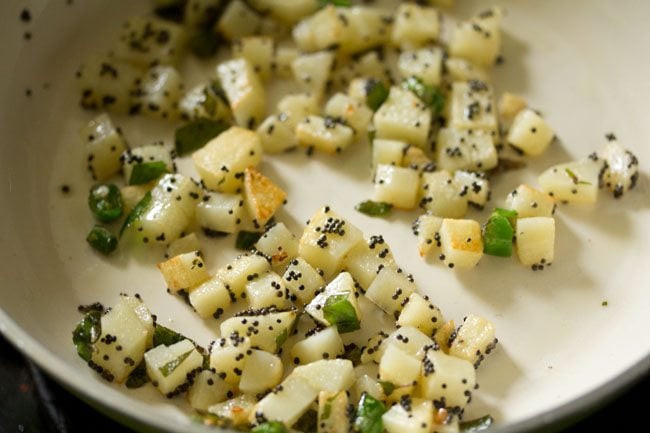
(267, 329)
(397, 186)
(172, 368)
(510, 105)
(273, 28)
(293, 398)
(324, 134)
(530, 202)
(398, 367)
(420, 313)
(474, 339)
(159, 92)
(262, 196)
(478, 39)
(463, 149)
(228, 355)
(415, 25)
(425, 64)
(369, 385)
(131, 196)
(367, 258)
(354, 113)
(302, 280)
(621, 171)
(416, 416)
(530, 133)
(186, 244)
(387, 152)
(462, 70)
(238, 20)
(390, 290)
(407, 339)
(202, 102)
(447, 379)
(417, 159)
(477, 186)
(472, 106)
(104, 147)
(427, 229)
(146, 42)
(333, 375)
(403, 117)
(261, 373)
(574, 182)
(374, 349)
(132, 158)
(184, 272)
(283, 57)
(244, 91)
(333, 412)
(279, 244)
(259, 51)
(207, 390)
(222, 161)
(108, 84)
(312, 71)
(320, 31)
(535, 241)
(198, 13)
(243, 269)
(277, 134)
(211, 298)
(295, 107)
(461, 243)
(365, 28)
(442, 195)
(369, 66)
(341, 288)
(325, 344)
(287, 11)
(326, 240)
(267, 291)
(237, 409)
(220, 213)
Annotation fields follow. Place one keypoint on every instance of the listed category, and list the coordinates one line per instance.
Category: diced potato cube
(474, 340)
(403, 117)
(244, 91)
(463, 149)
(398, 367)
(238, 20)
(354, 113)
(279, 244)
(262, 372)
(273, 28)
(478, 39)
(390, 290)
(292, 399)
(222, 161)
(442, 195)
(104, 147)
(415, 25)
(427, 229)
(530, 133)
(369, 385)
(621, 171)
(287, 11)
(369, 66)
(243, 269)
(388, 152)
(211, 298)
(220, 213)
(259, 51)
(530, 202)
(108, 84)
(324, 134)
(420, 313)
(228, 355)
(510, 105)
(320, 31)
(184, 271)
(417, 159)
(326, 240)
(397, 186)
(367, 258)
(535, 241)
(461, 242)
(207, 390)
(267, 329)
(425, 64)
(267, 291)
(171, 368)
(277, 134)
(462, 70)
(477, 186)
(574, 182)
(202, 102)
(365, 28)
(333, 413)
(415, 417)
(282, 60)
(447, 379)
(160, 91)
(472, 106)
(333, 375)
(136, 156)
(186, 244)
(237, 409)
(262, 196)
(147, 42)
(312, 71)
(340, 287)
(199, 13)
(295, 107)
(302, 280)
(325, 344)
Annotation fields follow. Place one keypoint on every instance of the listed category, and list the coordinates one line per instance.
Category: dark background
(32, 403)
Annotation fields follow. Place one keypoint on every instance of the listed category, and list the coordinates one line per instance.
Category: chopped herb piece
(506, 213)
(86, 333)
(246, 240)
(281, 338)
(574, 177)
(327, 409)
(102, 240)
(340, 312)
(137, 212)
(172, 365)
(369, 413)
(138, 377)
(165, 336)
(374, 208)
(476, 425)
(388, 387)
(430, 95)
(376, 94)
(270, 427)
(196, 134)
(105, 202)
(204, 43)
(339, 3)
(498, 233)
(146, 172)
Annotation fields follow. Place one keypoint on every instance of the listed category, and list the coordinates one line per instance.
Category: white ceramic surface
(583, 63)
